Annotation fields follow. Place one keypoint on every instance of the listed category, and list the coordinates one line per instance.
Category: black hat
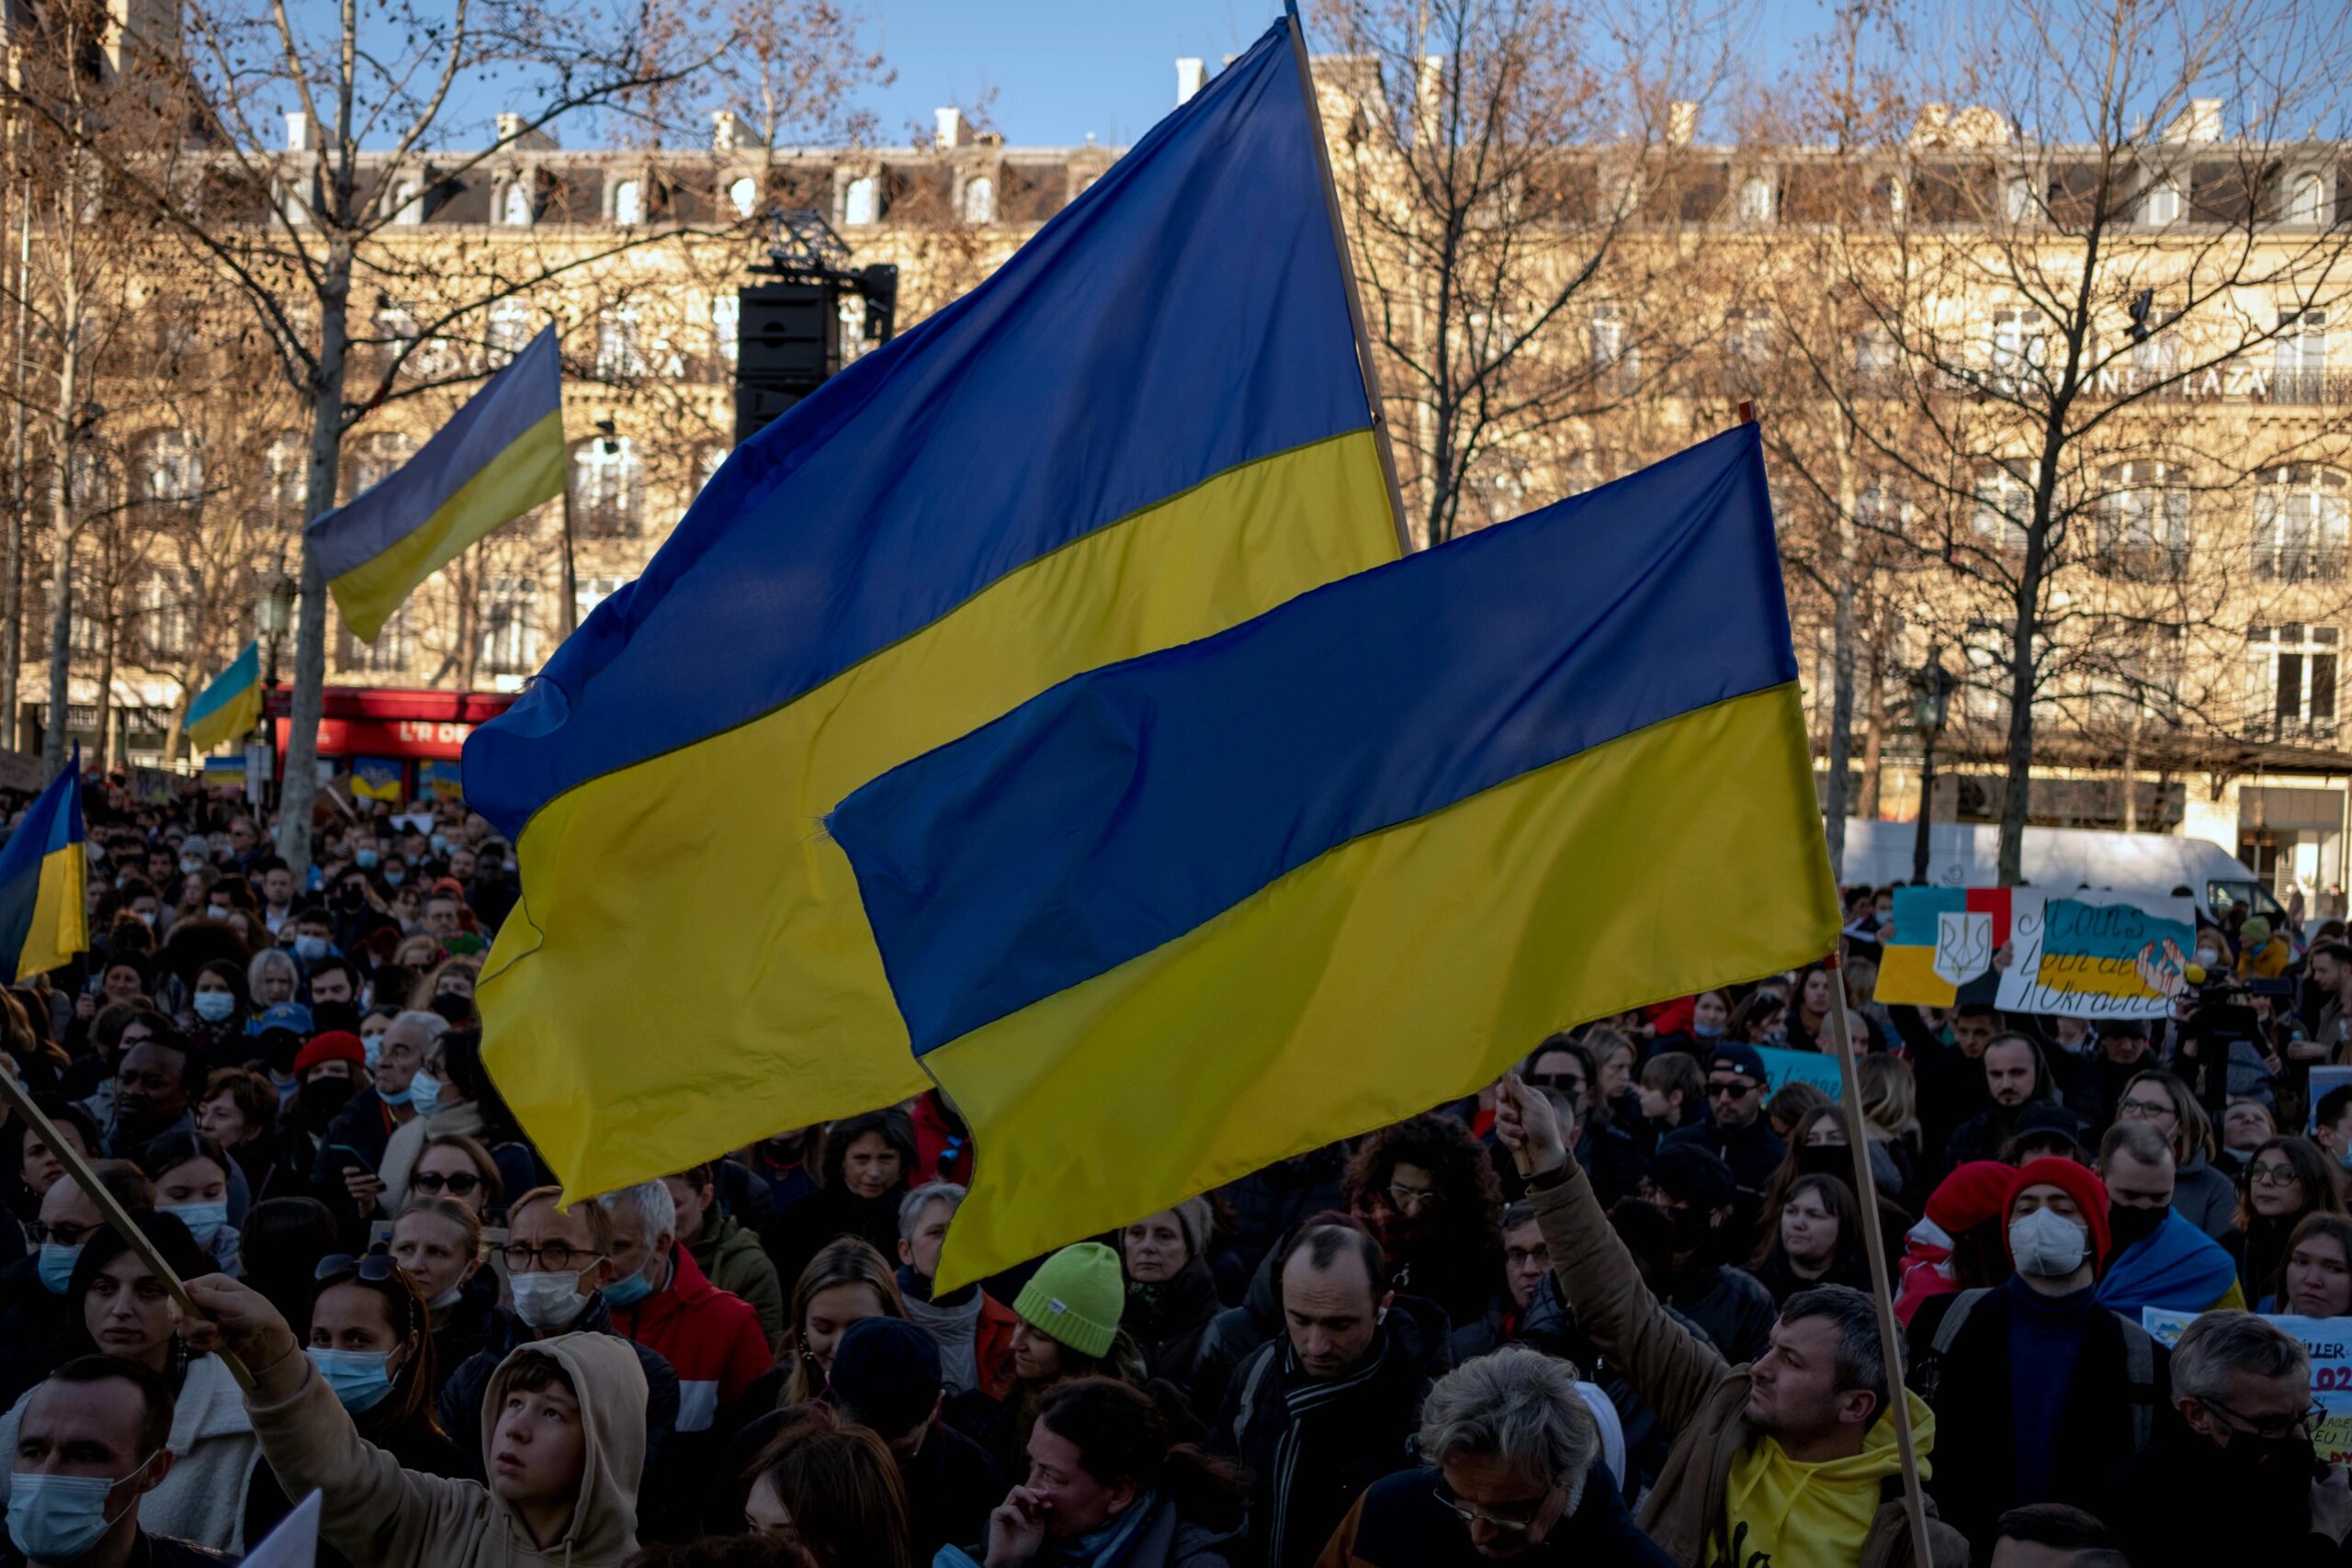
(886, 1374)
(1692, 1174)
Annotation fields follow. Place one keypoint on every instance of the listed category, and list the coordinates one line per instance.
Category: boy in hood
(563, 1430)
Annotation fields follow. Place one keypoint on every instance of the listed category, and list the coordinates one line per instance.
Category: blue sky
(1060, 68)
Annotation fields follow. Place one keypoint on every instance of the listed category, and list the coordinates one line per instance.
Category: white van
(1964, 854)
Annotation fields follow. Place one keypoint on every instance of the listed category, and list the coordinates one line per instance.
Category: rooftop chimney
(300, 132)
(2200, 122)
(1191, 75)
(951, 126)
(723, 129)
(1681, 122)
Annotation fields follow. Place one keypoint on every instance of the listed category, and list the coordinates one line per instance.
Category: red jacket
(712, 1337)
(942, 1153)
(992, 1347)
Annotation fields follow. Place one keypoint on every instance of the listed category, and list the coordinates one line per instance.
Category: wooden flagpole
(1890, 1332)
(1369, 367)
(21, 1100)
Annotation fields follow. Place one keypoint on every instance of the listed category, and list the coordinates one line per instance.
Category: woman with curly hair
(1429, 1195)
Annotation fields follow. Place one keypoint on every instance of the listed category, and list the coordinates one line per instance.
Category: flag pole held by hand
(68, 1154)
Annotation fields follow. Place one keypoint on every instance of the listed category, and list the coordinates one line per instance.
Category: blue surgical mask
(1707, 1032)
(366, 859)
(425, 1092)
(309, 949)
(629, 1292)
(404, 1097)
(359, 1378)
(56, 1266)
(440, 845)
(58, 1519)
(203, 1220)
(394, 876)
(214, 1007)
(371, 1048)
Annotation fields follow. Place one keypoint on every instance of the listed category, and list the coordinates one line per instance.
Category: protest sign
(2096, 954)
(294, 1543)
(1782, 1067)
(2328, 1341)
(1940, 948)
(20, 771)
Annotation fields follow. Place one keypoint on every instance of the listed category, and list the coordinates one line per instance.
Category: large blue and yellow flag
(499, 457)
(1150, 424)
(1184, 917)
(229, 706)
(44, 874)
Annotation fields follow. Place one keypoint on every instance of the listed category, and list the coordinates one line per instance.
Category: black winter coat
(1312, 1447)
(1168, 1321)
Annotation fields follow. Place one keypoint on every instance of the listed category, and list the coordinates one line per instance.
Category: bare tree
(2057, 277)
(1504, 167)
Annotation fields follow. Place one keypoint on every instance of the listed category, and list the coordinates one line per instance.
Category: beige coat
(380, 1515)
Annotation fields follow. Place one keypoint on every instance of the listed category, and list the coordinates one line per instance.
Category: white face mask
(2047, 1245)
(548, 1300)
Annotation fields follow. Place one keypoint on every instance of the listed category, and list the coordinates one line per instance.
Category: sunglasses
(1734, 1089)
(460, 1183)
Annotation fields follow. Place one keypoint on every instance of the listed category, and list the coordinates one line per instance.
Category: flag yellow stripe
(521, 477)
(61, 927)
(1405, 968)
(707, 866)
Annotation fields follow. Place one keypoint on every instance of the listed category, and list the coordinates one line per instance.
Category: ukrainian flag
(1181, 917)
(44, 873)
(1150, 424)
(230, 705)
(501, 455)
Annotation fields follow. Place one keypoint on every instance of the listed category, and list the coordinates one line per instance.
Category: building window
(1874, 355)
(2162, 204)
(285, 472)
(374, 458)
(405, 202)
(1747, 345)
(2017, 203)
(508, 608)
(2003, 508)
(2291, 671)
(979, 199)
(171, 470)
(862, 200)
(2307, 199)
(628, 201)
(2143, 520)
(620, 352)
(164, 626)
(2300, 374)
(2301, 518)
(743, 195)
(2018, 347)
(1616, 366)
(391, 653)
(2156, 351)
(508, 329)
(591, 592)
(516, 209)
(1893, 198)
(607, 487)
(1755, 199)
(727, 325)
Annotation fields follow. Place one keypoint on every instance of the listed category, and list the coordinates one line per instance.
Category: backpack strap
(2140, 1375)
(1927, 1376)
(1248, 1404)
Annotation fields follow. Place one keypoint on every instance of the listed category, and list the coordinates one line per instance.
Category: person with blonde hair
(846, 1282)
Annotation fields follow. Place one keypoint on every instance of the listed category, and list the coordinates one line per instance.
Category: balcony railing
(2299, 563)
(2142, 562)
(2291, 729)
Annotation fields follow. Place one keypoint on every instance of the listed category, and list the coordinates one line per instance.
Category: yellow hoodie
(1785, 1514)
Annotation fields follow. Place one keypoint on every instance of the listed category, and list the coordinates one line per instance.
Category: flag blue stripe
(242, 673)
(1130, 805)
(493, 419)
(807, 554)
(52, 822)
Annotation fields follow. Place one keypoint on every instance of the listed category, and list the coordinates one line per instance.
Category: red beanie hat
(1972, 1194)
(335, 1046)
(2077, 1182)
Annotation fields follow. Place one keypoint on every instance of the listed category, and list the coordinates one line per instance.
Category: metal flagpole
(1348, 275)
(78, 1168)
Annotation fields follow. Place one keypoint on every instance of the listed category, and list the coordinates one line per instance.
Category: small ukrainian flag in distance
(44, 877)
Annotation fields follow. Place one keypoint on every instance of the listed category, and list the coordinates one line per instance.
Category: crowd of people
(1617, 1309)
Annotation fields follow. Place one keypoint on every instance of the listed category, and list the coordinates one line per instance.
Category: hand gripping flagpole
(1890, 1333)
(78, 1167)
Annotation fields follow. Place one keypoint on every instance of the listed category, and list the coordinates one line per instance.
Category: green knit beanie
(1076, 1297)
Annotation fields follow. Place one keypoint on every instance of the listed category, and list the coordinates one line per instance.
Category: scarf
(2176, 1267)
(956, 1326)
(1302, 1397)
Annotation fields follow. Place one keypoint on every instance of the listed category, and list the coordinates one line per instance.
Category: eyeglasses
(2270, 1425)
(1470, 1516)
(2272, 1175)
(1735, 1087)
(2145, 1110)
(64, 1235)
(460, 1183)
(1413, 1200)
(1514, 1256)
(1570, 1084)
(555, 1256)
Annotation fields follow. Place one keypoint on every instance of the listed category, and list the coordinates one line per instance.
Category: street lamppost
(273, 619)
(1933, 683)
